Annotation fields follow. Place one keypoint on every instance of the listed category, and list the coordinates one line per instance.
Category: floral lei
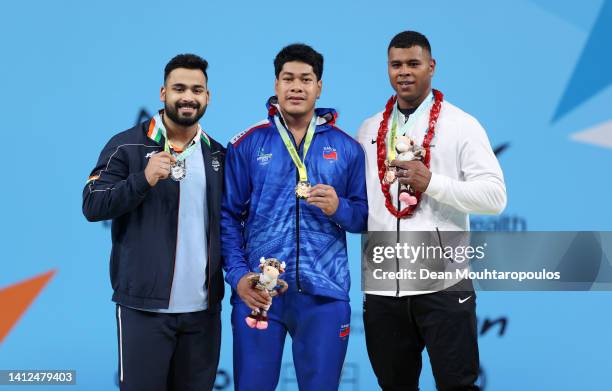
(382, 151)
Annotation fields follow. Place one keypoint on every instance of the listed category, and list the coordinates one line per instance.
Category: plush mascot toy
(267, 280)
(408, 150)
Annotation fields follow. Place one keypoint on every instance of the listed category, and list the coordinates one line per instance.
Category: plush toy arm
(283, 286)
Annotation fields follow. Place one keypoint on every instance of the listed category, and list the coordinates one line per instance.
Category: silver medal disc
(178, 171)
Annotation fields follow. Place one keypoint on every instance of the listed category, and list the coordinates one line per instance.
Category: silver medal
(178, 171)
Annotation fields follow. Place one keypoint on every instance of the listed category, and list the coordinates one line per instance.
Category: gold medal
(302, 190)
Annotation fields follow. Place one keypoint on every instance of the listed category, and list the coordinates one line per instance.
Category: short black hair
(302, 53)
(408, 39)
(189, 61)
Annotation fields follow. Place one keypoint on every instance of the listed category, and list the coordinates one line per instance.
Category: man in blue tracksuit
(294, 185)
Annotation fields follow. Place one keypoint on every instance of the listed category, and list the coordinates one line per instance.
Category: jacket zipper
(297, 229)
(208, 280)
(178, 209)
(208, 266)
(397, 240)
(208, 236)
(297, 225)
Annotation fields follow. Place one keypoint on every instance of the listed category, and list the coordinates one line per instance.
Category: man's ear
(162, 94)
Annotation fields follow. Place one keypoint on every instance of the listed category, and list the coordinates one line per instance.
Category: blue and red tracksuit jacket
(262, 217)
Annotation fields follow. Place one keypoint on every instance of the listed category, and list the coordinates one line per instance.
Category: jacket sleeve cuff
(342, 216)
(437, 185)
(235, 275)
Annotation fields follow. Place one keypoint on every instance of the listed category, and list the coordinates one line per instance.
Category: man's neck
(404, 104)
(178, 135)
(298, 125)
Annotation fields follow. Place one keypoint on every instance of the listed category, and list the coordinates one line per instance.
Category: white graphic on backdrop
(600, 135)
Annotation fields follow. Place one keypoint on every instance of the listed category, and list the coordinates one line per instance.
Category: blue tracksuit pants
(319, 329)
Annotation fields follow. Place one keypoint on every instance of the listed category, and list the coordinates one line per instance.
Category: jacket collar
(325, 117)
(156, 130)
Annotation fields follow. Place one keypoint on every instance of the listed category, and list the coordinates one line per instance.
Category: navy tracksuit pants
(160, 352)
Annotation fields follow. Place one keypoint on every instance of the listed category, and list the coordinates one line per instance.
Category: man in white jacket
(459, 175)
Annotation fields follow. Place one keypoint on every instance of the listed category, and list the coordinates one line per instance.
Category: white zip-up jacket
(466, 177)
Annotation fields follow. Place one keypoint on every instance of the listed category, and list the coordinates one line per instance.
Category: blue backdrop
(536, 73)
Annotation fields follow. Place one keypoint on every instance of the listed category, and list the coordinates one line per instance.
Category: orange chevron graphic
(15, 300)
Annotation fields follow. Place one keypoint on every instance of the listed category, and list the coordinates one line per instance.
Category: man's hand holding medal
(159, 167)
(323, 197)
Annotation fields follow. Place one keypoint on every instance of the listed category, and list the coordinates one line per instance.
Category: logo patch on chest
(330, 153)
(263, 158)
(215, 163)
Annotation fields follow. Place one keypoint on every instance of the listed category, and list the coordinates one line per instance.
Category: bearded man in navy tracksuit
(160, 183)
(266, 214)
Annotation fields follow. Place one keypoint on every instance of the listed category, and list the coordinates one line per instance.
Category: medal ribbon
(183, 155)
(381, 150)
(295, 156)
(179, 156)
(424, 107)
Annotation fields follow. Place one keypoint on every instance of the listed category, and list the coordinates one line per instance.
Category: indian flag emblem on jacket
(155, 132)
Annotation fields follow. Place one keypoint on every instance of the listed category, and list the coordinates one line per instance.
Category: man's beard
(173, 114)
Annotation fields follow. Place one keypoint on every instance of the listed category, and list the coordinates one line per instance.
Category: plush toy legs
(406, 196)
(263, 321)
(258, 319)
(252, 319)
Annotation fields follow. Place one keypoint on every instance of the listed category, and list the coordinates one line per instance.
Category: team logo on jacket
(215, 163)
(345, 330)
(330, 153)
(263, 158)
